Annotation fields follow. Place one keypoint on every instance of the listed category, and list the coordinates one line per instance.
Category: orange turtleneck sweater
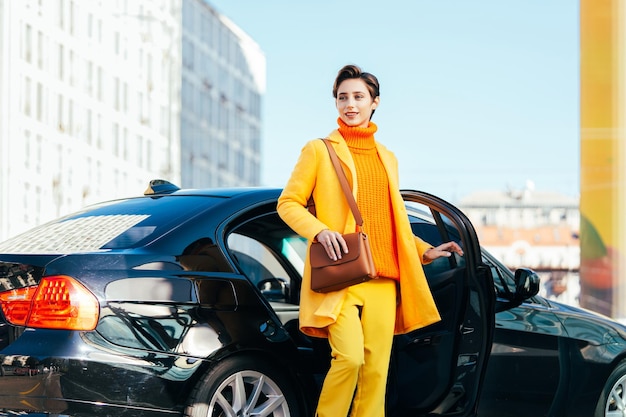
(373, 198)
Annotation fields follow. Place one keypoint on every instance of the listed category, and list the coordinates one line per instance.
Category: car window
(256, 261)
(502, 277)
(435, 228)
(270, 255)
(294, 250)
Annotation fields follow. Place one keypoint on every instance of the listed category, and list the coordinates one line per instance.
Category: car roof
(225, 192)
(159, 187)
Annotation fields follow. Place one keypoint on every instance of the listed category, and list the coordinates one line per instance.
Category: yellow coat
(314, 174)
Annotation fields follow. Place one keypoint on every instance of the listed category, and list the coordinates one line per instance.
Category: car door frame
(479, 287)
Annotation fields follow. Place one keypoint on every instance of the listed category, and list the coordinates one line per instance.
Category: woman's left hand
(443, 250)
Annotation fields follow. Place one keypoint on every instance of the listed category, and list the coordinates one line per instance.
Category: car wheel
(243, 387)
(612, 400)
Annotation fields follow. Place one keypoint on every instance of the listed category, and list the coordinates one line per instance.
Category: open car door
(438, 370)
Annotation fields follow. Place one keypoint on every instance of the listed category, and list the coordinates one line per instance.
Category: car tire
(613, 397)
(240, 385)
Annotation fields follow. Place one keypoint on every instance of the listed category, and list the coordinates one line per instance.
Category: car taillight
(16, 304)
(58, 302)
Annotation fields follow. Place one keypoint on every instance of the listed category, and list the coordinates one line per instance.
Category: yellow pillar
(602, 156)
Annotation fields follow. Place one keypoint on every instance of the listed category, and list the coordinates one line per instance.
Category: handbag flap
(320, 259)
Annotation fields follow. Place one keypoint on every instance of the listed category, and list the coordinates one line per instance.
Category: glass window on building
(60, 121)
(115, 133)
(99, 81)
(39, 99)
(187, 53)
(27, 45)
(125, 96)
(61, 62)
(116, 93)
(240, 166)
(206, 27)
(27, 97)
(222, 161)
(256, 139)
(40, 49)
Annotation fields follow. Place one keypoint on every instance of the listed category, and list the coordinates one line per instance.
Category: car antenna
(158, 186)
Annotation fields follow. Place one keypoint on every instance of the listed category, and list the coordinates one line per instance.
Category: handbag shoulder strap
(344, 183)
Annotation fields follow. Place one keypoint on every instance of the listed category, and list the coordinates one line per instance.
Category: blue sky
(475, 94)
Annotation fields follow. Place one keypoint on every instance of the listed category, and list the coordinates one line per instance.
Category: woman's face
(354, 102)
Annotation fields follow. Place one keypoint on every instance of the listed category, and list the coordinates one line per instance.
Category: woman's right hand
(333, 242)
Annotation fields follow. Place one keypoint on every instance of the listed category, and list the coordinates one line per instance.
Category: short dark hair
(354, 72)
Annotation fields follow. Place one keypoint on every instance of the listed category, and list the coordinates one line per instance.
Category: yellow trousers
(360, 342)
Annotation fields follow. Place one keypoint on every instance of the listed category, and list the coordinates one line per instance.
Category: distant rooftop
(518, 198)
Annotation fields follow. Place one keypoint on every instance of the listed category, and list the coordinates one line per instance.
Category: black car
(185, 302)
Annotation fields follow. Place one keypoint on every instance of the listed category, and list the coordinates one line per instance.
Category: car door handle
(468, 359)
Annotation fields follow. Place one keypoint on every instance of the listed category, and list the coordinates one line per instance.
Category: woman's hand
(443, 250)
(333, 242)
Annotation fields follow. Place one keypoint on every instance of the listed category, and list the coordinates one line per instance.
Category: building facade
(97, 97)
(223, 81)
(532, 229)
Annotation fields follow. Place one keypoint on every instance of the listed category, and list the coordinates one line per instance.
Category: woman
(359, 321)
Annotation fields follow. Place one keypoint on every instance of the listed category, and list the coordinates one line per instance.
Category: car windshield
(119, 224)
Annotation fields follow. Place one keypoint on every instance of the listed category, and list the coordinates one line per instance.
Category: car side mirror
(527, 283)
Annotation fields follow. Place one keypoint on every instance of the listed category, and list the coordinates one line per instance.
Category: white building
(97, 97)
(533, 229)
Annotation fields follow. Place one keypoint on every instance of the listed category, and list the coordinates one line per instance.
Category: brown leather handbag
(354, 267)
